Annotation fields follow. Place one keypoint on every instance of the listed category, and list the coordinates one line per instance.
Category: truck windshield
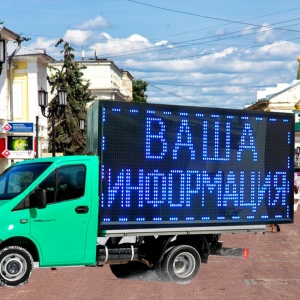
(17, 178)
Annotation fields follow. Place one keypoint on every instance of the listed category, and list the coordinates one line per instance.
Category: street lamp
(52, 110)
(2, 53)
(81, 124)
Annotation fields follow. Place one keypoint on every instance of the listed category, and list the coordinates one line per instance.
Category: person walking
(296, 197)
(277, 227)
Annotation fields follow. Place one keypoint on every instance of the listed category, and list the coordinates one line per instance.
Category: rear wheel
(160, 273)
(181, 264)
(16, 265)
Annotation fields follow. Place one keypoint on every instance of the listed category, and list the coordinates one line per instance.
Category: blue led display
(192, 166)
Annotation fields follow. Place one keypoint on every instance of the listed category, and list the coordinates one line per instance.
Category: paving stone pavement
(272, 271)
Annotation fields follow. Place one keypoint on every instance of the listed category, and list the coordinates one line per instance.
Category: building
(283, 98)
(107, 81)
(21, 76)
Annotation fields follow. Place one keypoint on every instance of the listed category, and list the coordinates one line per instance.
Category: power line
(211, 86)
(179, 96)
(193, 14)
(193, 56)
(178, 43)
(227, 23)
(184, 43)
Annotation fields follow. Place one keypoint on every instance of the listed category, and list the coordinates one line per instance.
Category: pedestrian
(277, 227)
(296, 197)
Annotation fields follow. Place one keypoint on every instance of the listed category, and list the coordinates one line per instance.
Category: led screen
(191, 166)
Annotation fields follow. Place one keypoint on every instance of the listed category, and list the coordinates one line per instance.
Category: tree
(139, 87)
(68, 136)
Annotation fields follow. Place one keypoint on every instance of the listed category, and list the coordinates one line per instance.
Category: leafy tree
(139, 87)
(68, 136)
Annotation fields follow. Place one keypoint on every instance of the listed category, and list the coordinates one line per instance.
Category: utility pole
(37, 136)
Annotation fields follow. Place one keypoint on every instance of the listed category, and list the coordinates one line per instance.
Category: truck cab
(49, 211)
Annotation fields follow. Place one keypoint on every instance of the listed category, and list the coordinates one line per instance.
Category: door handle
(82, 209)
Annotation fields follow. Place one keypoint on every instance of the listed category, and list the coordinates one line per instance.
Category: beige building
(107, 81)
(18, 98)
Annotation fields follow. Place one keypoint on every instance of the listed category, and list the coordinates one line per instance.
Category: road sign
(7, 127)
(6, 153)
(19, 127)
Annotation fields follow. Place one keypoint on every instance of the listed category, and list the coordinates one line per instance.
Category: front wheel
(181, 264)
(16, 265)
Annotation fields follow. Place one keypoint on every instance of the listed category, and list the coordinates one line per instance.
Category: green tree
(139, 87)
(68, 136)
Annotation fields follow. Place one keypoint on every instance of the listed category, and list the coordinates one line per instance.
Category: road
(272, 271)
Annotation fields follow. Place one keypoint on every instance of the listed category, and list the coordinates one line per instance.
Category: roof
(23, 51)
(262, 104)
(8, 34)
(258, 105)
(292, 85)
(86, 62)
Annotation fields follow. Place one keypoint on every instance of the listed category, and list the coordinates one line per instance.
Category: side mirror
(38, 199)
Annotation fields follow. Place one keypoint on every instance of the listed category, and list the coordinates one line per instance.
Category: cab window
(65, 183)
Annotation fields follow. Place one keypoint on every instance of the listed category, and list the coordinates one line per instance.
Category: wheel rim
(13, 267)
(184, 264)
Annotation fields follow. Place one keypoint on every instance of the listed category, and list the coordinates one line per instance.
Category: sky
(192, 52)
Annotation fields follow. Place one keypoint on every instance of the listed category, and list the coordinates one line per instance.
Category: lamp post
(81, 124)
(2, 53)
(52, 110)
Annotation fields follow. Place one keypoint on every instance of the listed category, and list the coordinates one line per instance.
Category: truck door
(60, 229)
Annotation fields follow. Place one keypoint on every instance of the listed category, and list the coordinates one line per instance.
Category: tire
(128, 270)
(164, 277)
(181, 264)
(16, 265)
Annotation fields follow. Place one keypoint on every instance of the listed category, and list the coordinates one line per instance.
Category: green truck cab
(47, 220)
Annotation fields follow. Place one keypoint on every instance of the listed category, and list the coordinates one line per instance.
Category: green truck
(163, 183)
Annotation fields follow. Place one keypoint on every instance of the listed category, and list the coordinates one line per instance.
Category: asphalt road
(272, 271)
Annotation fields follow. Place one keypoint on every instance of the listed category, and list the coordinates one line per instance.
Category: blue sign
(19, 127)
(195, 166)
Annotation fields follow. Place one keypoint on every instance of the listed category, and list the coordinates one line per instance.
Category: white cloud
(137, 38)
(266, 34)
(163, 43)
(77, 37)
(280, 49)
(45, 43)
(42, 42)
(98, 22)
(229, 78)
(114, 48)
(106, 36)
(248, 30)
